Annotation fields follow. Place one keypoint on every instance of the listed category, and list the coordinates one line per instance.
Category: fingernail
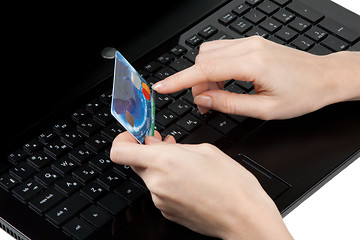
(202, 110)
(151, 139)
(204, 101)
(159, 85)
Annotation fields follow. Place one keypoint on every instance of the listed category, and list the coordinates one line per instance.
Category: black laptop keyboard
(65, 173)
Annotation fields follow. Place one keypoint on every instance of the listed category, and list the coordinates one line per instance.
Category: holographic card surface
(132, 100)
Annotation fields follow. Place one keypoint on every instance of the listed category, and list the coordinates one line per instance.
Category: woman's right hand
(288, 82)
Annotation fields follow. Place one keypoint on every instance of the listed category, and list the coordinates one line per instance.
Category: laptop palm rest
(272, 184)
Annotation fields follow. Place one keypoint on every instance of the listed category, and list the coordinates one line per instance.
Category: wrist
(261, 221)
(343, 76)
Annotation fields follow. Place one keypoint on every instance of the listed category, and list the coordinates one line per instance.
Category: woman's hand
(201, 188)
(288, 82)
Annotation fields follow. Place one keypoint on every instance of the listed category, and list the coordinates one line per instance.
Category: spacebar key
(203, 134)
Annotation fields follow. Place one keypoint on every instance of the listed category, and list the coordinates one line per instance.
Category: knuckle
(207, 147)
(206, 67)
(258, 42)
(229, 105)
(205, 46)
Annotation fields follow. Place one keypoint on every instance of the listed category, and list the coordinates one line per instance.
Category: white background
(333, 212)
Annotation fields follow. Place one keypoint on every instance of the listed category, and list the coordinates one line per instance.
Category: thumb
(256, 106)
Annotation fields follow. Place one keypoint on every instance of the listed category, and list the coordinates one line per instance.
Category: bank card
(132, 102)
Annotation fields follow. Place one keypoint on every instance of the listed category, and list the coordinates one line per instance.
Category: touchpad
(272, 184)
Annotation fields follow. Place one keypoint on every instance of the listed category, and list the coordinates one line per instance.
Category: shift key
(67, 209)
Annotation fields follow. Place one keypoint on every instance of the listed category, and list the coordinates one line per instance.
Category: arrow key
(96, 217)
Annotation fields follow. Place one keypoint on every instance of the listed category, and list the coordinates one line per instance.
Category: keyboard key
(339, 30)
(281, 2)
(113, 204)
(45, 201)
(194, 41)
(178, 50)
(189, 122)
(47, 136)
(284, 16)
(300, 25)
(129, 191)
(22, 171)
(165, 118)
(124, 170)
(255, 16)
(305, 11)
(241, 26)
(227, 19)
(175, 131)
(39, 160)
(110, 180)
(191, 55)
(316, 34)
(67, 209)
(103, 116)
(270, 25)
(80, 115)
(111, 131)
(80, 154)
(334, 43)
(93, 191)
(257, 32)
(303, 43)
(7, 182)
(106, 97)
(62, 126)
(220, 36)
(88, 127)
(208, 31)
(84, 174)
(78, 229)
(152, 67)
(94, 106)
(72, 138)
(96, 217)
(67, 185)
(180, 64)
(32, 146)
(241, 9)
(320, 50)
(222, 123)
(17, 156)
(253, 3)
(56, 148)
(234, 89)
(179, 107)
(164, 73)
(162, 100)
(268, 7)
(64, 165)
(286, 34)
(100, 162)
(27, 190)
(97, 143)
(47, 176)
(189, 98)
(202, 134)
(166, 58)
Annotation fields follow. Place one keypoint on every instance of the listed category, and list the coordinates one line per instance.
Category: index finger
(210, 70)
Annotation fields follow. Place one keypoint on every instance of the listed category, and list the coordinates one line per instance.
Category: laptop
(56, 178)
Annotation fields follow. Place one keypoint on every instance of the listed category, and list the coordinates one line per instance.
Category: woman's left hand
(200, 187)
